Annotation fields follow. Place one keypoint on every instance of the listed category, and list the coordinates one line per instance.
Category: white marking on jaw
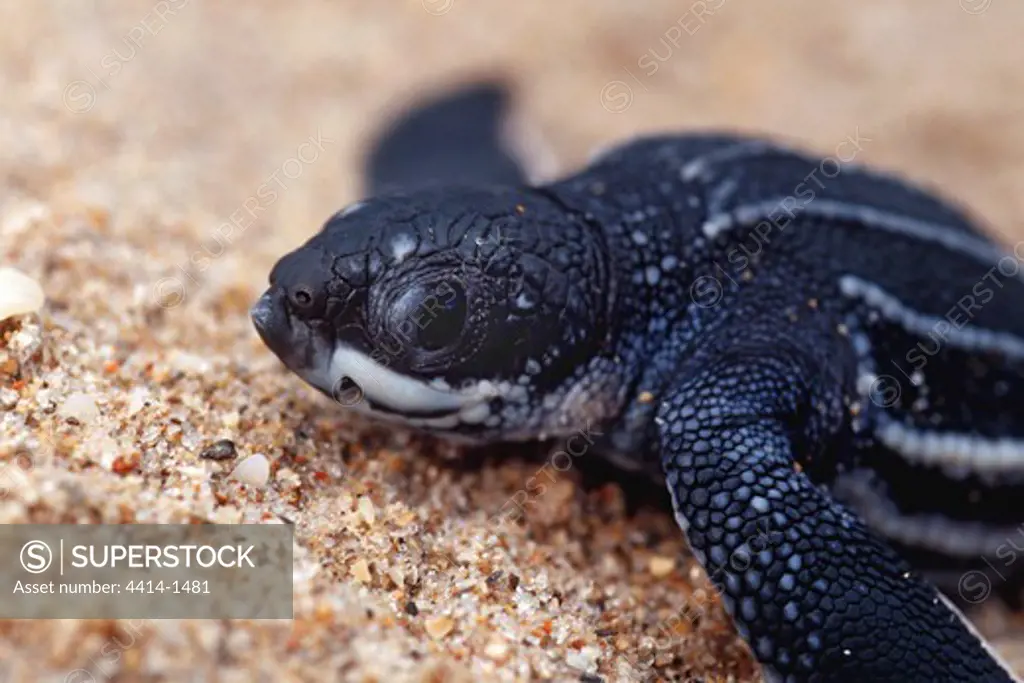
(383, 385)
(445, 422)
(475, 414)
(400, 393)
(933, 531)
(969, 338)
(949, 237)
(957, 454)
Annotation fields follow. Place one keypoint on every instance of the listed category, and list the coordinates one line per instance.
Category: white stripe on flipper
(957, 454)
(880, 510)
(723, 191)
(968, 338)
(984, 643)
(949, 237)
(932, 531)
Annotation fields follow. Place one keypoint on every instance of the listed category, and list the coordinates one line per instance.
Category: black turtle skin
(731, 350)
(756, 408)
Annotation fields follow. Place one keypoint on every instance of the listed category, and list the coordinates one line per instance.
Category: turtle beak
(270, 317)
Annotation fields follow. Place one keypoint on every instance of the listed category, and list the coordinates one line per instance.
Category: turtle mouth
(354, 380)
(384, 409)
(357, 381)
(388, 389)
(297, 343)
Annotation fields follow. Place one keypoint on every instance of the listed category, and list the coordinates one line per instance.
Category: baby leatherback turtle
(815, 350)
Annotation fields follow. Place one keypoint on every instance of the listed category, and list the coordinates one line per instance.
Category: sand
(133, 134)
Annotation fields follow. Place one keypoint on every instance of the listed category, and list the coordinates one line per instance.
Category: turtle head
(473, 312)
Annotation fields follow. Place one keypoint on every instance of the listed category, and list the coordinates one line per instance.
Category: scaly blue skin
(729, 348)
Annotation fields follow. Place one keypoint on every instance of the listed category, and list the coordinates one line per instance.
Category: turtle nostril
(301, 296)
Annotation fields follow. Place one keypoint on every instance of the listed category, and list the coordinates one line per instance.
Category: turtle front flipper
(816, 595)
(454, 139)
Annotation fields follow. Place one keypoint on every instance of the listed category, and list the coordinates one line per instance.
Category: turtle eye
(445, 327)
(431, 319)
(301, 296)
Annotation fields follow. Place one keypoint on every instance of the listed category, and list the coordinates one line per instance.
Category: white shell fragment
(79, 406)
(253, 471)
(19, 294)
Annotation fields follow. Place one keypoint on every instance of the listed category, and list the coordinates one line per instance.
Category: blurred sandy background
(131, 131)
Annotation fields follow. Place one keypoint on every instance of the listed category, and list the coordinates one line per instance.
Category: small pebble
(23, 216)
(439, 627)
(661, 566)
(497, 649)
(253, 471)
(26, 340)
(79, 407)
(288, 478)
(404, 519)
(397, 576)
(361, 571)
(189, 363)
(366, 510)
(220, 450)
(411, 609)
(585, 659)
(227, 514)
(19, 294)
(138, 398)
(8, 398)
